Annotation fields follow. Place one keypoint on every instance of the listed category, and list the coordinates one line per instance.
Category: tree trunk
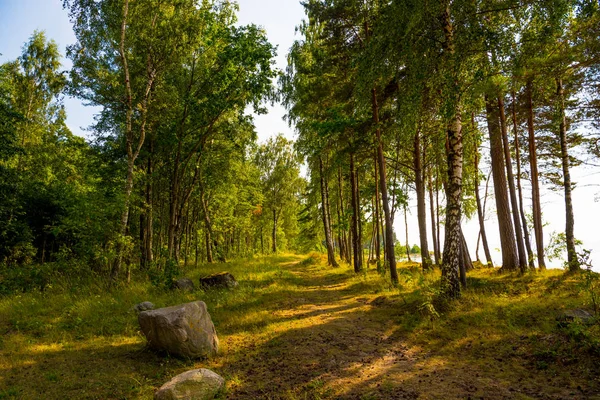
(116, 268)
(535, 185)
(207, 227)
(436, 254)
(572, 260)
(344, 248)
(510, 260)
(389, 229)
(452, 241)
(407, 243)
(143, 240)
(361, 250)
(326, 218)
(511, 186)
(519, 187)
(274, 233)
(356, 247)
(376, 216)
(468, 262)
(421, 208)
(481, 215)
(437, 217)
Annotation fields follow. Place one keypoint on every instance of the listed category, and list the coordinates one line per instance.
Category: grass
(297, 329)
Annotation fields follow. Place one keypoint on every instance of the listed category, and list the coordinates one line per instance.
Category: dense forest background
(435, 103)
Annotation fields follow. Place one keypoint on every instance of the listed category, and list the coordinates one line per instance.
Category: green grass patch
(295, 328)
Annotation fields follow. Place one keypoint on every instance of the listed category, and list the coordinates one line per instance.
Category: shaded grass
(297, 329)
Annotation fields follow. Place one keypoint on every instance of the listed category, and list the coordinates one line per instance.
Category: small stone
(577, 314)
(183, 284)
(144, 306)
(223, 280)
(197, 384)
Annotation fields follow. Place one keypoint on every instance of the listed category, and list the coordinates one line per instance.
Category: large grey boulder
(185, 330)
(197, 384)
(224, 280)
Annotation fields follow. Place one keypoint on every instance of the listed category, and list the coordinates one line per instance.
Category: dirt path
(328, 343)
(331, 338)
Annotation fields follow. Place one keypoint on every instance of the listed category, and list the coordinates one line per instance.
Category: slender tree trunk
(481, 215)
(274, 233)
(150, 205)
(339, 232)
(376, 216)
(433, 226)
(421, 207)
(468, 262)
(361, 250)
(114, 273)
(196, 245)
(452, 241)
(407, 243)
(326, 221)
(262, 240)
(437, 216)
(209, 256)
(519, 187)
(344, 248)
(572, 260)
(511, 186)
(389, 229)
(143, 240)
(510, 259)
(535, 185)
(207, 227)
(356, 246)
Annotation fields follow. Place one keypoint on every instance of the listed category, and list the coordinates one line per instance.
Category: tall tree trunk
(421, 208)
(519, 186)
(436, 254)
(406, 242)
(437, 216)
(356, 246)
(361, 250)
(209, 256)
(481, 215)
(535, 185)
(511, 186)
(207, 227)
(197, 246)
(326, 221)
(344, 248)
(452, 241)
(510, 259)
(116, 268)
(274, 232)
(150, 205)
(572, 259)
(262, 240)
(389, 229)
(340, 239)
(143, 239)
(376, 217)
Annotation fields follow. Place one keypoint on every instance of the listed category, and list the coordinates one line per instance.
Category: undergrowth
(81, 340)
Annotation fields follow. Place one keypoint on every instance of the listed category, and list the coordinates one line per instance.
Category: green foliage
(163, 276)
(590, 282)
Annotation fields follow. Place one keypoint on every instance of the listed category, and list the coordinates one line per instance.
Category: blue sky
(19, 18)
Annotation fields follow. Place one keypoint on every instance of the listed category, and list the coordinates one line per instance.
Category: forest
(465, 110)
